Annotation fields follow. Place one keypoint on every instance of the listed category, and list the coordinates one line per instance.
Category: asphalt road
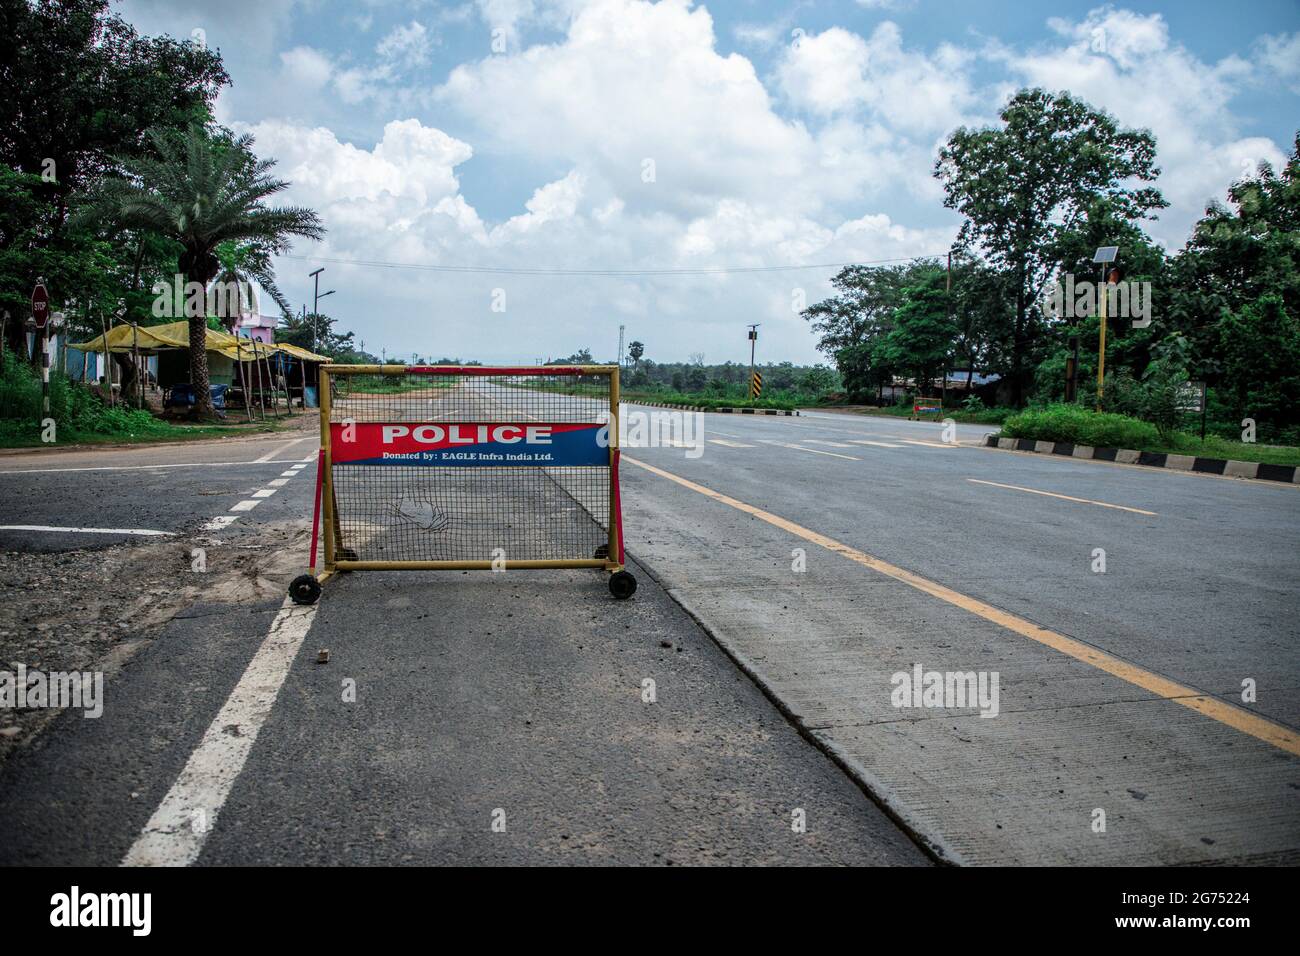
(492, 719)
(500, 718)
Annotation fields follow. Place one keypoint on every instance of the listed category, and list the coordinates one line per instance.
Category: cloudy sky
(618, 136)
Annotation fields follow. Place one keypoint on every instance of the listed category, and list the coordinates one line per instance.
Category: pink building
(260, 327)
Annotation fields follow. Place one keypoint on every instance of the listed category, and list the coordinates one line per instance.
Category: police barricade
(467, 468)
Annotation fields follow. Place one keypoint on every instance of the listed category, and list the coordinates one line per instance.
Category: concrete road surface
(830, 553)
(1022, 659)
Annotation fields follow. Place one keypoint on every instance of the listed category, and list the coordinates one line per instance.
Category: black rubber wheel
(622, 585)
(305, 589)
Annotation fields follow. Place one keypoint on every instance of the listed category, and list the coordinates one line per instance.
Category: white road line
(246, 505)
(288, 474)
(878, 444)
(265, 492)
(278, 483)
(271, 454)
(822, 441)
(729, 444)
(811, 451)
(175, 833)
(196, 464)
(927, 444)
(42, 527)
(220, 522)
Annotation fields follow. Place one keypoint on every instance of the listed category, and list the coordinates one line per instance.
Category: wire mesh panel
(470, 464)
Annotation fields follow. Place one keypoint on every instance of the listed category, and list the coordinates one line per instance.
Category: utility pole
(620, 347)
(315, 307)
(1105, 257)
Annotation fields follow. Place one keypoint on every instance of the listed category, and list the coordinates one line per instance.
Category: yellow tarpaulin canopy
(176, 335)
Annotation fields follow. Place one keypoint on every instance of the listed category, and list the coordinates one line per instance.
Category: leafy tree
(1027, 185)
(922, 333)
(80, 88)
(204, 191)
(316, 333)
(635, 350)
(853, 324)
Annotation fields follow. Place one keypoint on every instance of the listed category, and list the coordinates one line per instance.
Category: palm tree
(203, 191)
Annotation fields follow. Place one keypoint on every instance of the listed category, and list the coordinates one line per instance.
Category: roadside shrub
(72, 406)
(1082, 426)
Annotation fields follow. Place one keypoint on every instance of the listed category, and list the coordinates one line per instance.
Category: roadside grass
(17, 434)
(1082, 426)
(703, 400)
(1182, 443)
(986, 416)
(81, 418)
(698, 399)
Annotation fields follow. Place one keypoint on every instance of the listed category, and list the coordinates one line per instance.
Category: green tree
(1026, 185)
(852, 324)
(635, 350)
(923, 333)
(80, 88)
(202, 192)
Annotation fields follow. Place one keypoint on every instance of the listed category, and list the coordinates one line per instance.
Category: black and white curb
(701, 408)
(1128, 456)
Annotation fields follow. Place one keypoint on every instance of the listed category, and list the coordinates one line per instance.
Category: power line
(605, 273)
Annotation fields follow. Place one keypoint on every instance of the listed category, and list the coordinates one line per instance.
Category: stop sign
(40, 305)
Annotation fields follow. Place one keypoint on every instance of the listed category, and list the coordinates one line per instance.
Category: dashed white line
(271, 454)
(43, 527)
(265, 492)
(196, 464)
(877, 444)
(247, 505)
(175, 834)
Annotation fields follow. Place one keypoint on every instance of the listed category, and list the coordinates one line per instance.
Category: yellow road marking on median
(1052, 494)
(1258, 727)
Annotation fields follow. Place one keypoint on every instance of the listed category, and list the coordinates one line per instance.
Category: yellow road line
(1225, 713)
(1052, 494)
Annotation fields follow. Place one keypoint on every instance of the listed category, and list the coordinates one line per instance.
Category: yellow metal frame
(334, 562)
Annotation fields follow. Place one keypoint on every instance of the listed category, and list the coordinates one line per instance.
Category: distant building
(260, 327)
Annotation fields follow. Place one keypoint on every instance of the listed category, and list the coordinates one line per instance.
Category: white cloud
(829, 161)
(308, 67)
(914, 92)
(405, 46)
(1280, 56)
